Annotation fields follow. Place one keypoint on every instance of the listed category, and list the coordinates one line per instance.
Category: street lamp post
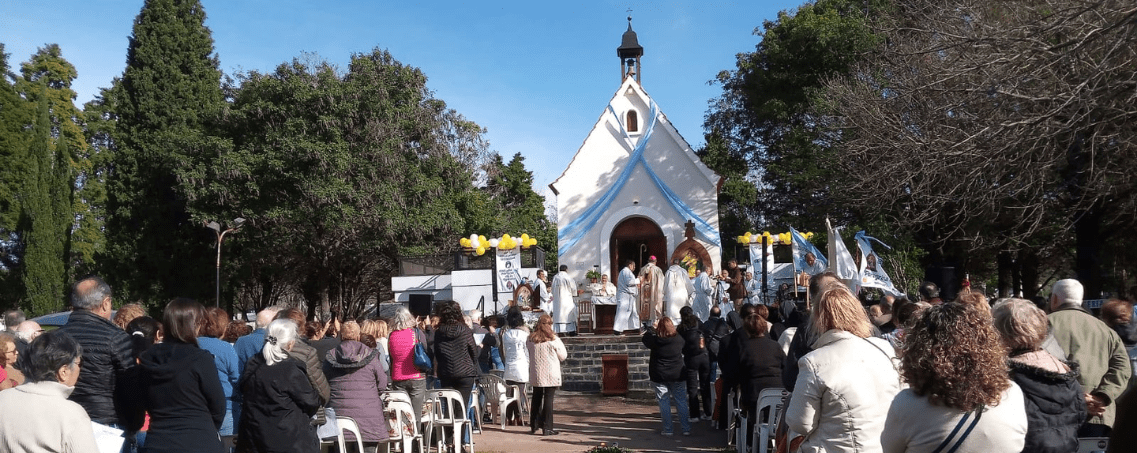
(216, 227)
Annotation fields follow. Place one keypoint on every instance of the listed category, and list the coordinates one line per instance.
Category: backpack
(713, 339)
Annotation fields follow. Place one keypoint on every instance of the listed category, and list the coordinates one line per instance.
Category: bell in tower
(630, 53)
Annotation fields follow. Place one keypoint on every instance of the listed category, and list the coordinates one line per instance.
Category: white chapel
(635, 188)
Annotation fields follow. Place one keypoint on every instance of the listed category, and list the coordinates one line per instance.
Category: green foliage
(339, 174)
(766, 113)
(170, 89)
(518, 208)
(737, 213)
(44, 193)
(47, 68)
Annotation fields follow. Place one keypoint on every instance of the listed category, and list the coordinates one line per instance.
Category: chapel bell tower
(630, 53)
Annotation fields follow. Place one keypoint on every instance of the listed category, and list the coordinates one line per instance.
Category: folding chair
(448, 411)
(772, 402)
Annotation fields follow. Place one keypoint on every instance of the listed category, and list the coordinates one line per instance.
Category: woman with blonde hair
(1055, 407)
(838, 402)
(546, 352)
(959, 397)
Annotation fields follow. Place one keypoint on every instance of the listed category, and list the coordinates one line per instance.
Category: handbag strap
(978, 413)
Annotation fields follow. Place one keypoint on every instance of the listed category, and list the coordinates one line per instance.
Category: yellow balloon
(532, 241)
(481, 251)
(464, 242)
(505, 237)
(524, 237)
(482, 239)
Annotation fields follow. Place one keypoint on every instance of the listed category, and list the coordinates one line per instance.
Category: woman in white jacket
(844, 387)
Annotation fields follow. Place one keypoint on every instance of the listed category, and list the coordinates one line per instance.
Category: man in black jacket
(108, 386)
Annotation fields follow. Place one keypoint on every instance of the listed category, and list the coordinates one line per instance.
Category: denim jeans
(665, 392)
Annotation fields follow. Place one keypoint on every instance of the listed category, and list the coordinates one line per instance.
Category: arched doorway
(636, 238)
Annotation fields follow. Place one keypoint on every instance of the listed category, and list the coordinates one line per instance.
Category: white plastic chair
(402, 438)
(771, 400)
(448, 410)
(348, 424)
(498, 396)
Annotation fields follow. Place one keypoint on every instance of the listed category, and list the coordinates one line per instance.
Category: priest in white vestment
(627, 287)
(753, 289)
(722, 296)
(678, 291)
(564, 307)
(703, 295)
(603, 292)
(541, 292)
(651, 291)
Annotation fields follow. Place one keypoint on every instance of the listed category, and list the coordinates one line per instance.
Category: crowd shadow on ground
(586, 421)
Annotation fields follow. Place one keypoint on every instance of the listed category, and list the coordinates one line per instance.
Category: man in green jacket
(1101, 355)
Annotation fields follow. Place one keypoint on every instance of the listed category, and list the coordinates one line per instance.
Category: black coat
(1055, 407)
(455, 353)
(278, 403)
(759, 365)
(108, 384)
(666, 361)
(183, 395)
(691, 339)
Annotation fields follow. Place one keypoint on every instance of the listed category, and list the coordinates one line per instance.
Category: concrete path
(586, 420)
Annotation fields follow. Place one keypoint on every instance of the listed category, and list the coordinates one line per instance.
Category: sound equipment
(421, 304)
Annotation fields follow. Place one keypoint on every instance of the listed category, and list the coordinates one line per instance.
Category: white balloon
(494, 242)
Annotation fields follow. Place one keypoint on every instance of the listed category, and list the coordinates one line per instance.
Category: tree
(766, 113)
(170, 90)
(42, 264)
(48, 69)
(339, 175)
(519, 209)
(1001, 127)
(16, 115)
(737, 197)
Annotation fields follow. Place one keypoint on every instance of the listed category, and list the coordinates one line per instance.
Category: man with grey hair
(1100, 354)
(251, 344)
(28, 331)
(108, 386)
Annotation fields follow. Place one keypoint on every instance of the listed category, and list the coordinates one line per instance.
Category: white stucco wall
(599, 162)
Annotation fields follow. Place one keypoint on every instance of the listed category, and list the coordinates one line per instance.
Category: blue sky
(537, 75)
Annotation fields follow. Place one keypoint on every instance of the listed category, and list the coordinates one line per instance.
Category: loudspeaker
(944, 277)
(420, 304)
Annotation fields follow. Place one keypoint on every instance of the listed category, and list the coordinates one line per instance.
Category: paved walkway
(586, 420)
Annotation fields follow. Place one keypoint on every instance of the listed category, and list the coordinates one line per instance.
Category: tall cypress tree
(171, 86)
(48, 75)
(16, 114)
(42, 264)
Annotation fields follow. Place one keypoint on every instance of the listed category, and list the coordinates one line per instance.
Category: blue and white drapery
(574, 231)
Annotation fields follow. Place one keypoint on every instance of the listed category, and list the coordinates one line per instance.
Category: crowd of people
(197, 381)
(968, 375)
(930, 375)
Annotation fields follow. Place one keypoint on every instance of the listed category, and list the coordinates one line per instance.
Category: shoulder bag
(422, 359)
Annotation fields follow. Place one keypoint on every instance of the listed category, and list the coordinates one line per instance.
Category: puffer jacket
(356, 376)
(841, 398)
(455, 353)
(108, 385)
(312, 368)
(1055, 407)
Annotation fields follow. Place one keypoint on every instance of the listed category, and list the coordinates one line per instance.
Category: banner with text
(508, 269)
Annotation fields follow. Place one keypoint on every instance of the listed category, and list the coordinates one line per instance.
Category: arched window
(633, 123)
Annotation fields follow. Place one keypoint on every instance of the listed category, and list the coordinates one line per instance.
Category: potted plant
(593, 275)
